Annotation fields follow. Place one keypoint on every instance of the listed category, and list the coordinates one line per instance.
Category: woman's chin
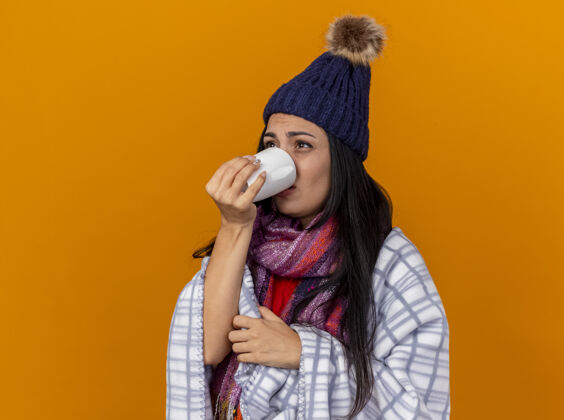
(287, 206)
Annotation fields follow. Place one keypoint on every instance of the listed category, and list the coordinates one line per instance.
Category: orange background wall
(114, 115)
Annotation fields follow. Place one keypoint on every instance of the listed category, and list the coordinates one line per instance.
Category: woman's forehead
(293, 123)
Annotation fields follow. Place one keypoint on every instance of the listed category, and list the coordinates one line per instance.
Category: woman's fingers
(237, 335)
(231, 171)
(225, 188)
(215, 181)
(252, 191)
(242, 177)
(242, 347)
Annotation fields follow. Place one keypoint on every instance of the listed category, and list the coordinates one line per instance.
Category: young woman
(309, 304)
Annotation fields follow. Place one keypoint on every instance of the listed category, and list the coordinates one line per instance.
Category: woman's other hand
(226, 188)
(268, 341)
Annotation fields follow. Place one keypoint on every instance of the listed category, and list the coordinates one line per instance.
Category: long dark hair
(363, 211)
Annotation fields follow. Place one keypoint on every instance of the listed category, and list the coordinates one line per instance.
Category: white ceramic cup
(280, 172)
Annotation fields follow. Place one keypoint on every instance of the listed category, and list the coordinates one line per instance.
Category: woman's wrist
(235, 228)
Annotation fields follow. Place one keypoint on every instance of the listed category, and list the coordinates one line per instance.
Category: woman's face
(308, 145)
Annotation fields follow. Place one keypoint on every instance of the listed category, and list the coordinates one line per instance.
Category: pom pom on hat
(357, 38)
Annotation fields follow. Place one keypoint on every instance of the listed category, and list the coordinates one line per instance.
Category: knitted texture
(278, 247)
(332, 93)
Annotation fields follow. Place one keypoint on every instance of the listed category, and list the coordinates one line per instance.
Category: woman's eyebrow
(289, 134)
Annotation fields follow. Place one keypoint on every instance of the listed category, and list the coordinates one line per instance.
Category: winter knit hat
(333, 90)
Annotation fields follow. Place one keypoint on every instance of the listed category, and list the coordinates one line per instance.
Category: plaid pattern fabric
(410, 358)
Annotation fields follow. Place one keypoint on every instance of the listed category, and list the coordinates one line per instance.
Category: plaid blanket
(410, 359)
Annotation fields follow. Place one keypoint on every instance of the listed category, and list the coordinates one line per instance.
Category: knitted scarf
(279, 247)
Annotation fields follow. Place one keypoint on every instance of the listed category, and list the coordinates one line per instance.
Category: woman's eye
(269, 143)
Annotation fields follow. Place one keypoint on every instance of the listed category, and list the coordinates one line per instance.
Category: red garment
(282, 291)
(237, 413)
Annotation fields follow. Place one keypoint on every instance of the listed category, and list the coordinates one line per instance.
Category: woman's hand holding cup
(226, 189)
